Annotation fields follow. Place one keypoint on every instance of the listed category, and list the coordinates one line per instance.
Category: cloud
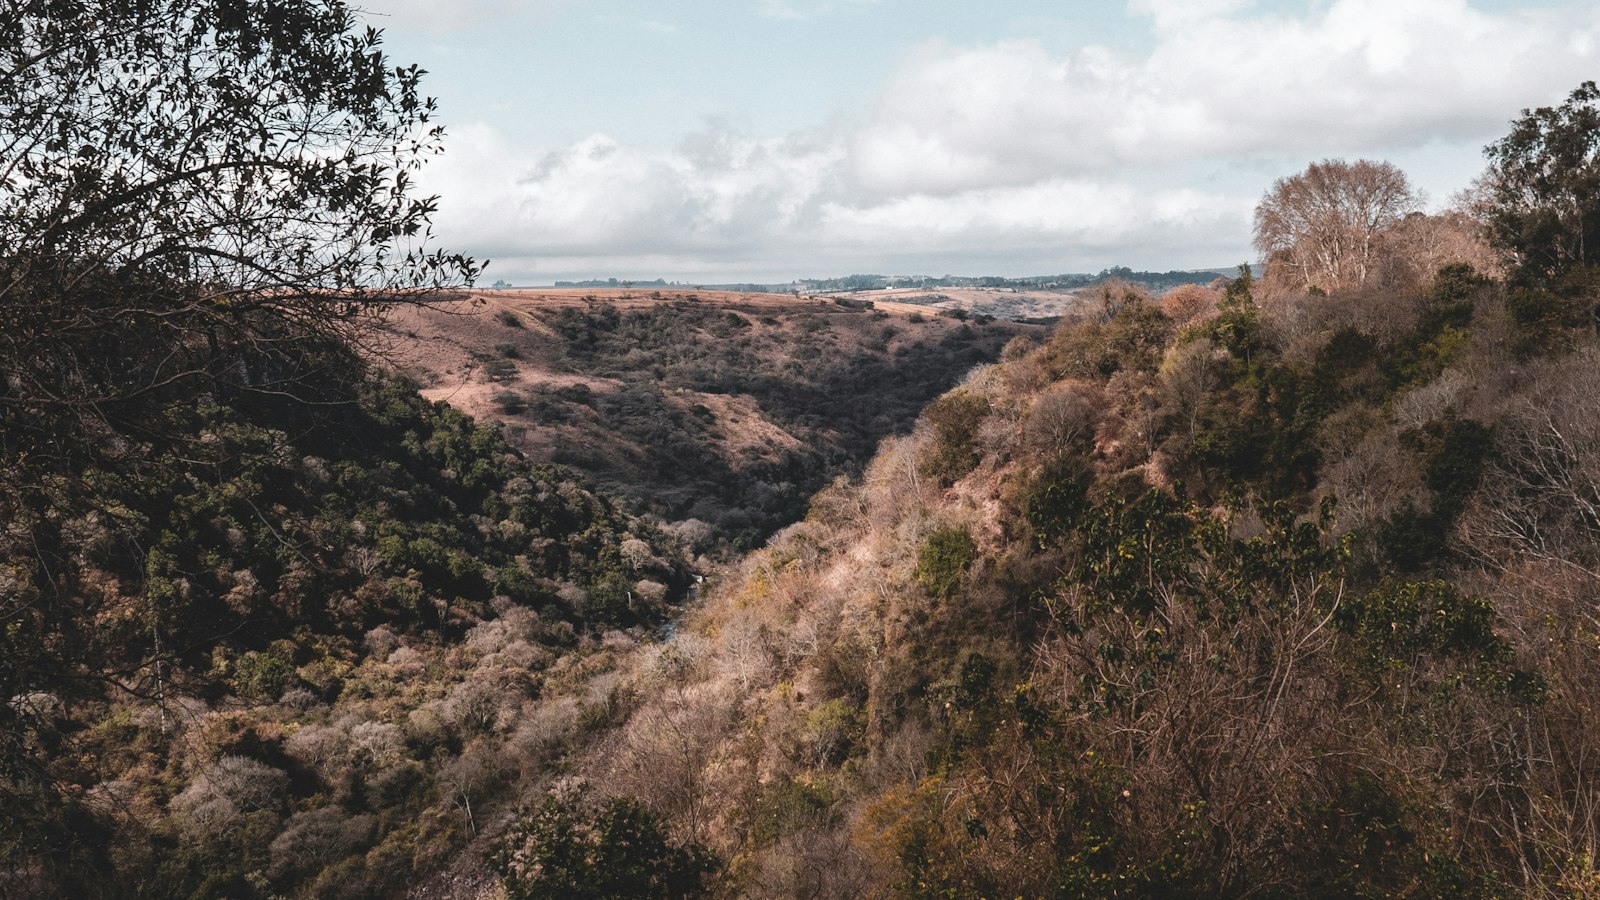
(722, 203)
(1009, 157)
(1359, 73)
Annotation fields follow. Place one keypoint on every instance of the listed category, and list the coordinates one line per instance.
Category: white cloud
(1009, 156)
(740, 206)
(1358, 73)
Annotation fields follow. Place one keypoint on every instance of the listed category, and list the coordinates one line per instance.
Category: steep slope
(727, 409)
(260, 655)
(1291, 597)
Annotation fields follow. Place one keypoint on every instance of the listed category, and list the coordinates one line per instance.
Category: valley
(727, 409)
(326, 573)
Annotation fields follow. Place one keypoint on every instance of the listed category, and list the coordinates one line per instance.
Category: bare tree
(1420, 244)
(1324, 223)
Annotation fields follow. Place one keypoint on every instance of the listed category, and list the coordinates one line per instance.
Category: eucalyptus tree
(1541, 193)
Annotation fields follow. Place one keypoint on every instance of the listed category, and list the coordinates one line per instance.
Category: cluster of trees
(268, 615)
(1336, 225)
(253, 602)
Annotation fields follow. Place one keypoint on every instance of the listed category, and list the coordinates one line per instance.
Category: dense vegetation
(229, 673)
(1286, 599)
(1266, 590)
(262, 613)
(1286, 589)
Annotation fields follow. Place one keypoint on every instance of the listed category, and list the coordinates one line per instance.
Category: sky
(714, 141)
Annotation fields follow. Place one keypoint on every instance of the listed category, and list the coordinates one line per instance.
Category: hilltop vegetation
(296, 637)
(260, 604)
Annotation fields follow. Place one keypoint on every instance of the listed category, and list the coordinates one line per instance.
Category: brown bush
(1189, 303)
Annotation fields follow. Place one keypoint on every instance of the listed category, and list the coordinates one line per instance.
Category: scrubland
(1254, 592)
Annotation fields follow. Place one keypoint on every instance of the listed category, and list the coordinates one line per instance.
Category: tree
(1188, 302)
(1324, 224)
(1541, 193)
(199, 199)
(185, 187)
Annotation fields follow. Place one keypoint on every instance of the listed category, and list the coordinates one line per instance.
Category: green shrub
(1400, 621)
(508, 402)
(955, 418)
(1541, 317)
(944, 561)
(1056, 499)
(790, 807)
(832, 730)
(499, 370)
(260, 676)
(622, 849)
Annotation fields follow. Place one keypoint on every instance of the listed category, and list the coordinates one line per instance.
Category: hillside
(272, 639)
(1019, 304)
(1283, 595)
(726, 409)
(324, 576)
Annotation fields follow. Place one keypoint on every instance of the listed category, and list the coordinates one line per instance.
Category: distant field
(1002, 303)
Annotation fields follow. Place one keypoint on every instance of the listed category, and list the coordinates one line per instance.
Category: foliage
(819, 375)
(1057, 498)
(1400, 621)
(250, 564)
(201, 203)
(188, 187)
(1325, 223)
(1540, 191)
(1541, 317)
(944, 561)
(1294, 600)
(1130, 341)
(562, 850)
(954, 418)
(1453, 453)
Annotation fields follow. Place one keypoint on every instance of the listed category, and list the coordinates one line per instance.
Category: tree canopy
(183, 176)
(1324, 223)
(198, 198)
(1541, 193)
